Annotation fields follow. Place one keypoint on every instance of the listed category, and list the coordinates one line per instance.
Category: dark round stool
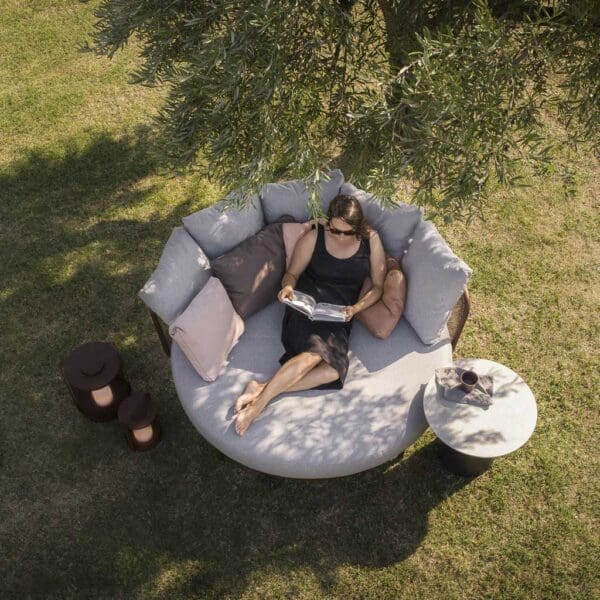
(138, 413)
(95, 377)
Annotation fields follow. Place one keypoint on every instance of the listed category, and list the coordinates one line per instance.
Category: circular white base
(317, 433)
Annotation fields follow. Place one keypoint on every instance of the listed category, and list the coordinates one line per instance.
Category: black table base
(462, 464)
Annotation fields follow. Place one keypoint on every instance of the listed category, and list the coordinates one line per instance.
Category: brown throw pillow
(252, 272)
(381, 318)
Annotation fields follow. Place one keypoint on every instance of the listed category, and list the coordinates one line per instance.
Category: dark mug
(468, 380)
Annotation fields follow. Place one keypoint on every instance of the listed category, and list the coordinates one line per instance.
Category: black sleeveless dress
(326, 279)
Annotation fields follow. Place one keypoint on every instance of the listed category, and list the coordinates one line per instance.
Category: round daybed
(316, 433)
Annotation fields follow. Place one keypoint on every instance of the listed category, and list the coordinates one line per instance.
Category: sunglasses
(339, 231)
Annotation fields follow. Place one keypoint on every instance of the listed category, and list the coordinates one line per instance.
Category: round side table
(471, 437)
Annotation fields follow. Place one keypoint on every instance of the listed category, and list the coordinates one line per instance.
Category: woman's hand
(350, 312)
(286, 293)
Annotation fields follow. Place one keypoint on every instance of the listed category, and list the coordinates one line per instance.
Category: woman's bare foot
(247, 415)
(251, 391)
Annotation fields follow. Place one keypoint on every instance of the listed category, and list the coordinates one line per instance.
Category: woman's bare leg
(290, 373)
(322, 373)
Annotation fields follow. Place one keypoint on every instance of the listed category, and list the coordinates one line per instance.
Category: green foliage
(451, 101)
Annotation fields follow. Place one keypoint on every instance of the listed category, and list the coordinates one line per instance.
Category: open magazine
(316, 311)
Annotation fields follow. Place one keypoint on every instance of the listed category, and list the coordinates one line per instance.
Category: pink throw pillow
(292, 232)
(382, 317)
(208, 329)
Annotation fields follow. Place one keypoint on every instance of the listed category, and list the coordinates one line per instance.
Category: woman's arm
(377, 276)
(300, 258)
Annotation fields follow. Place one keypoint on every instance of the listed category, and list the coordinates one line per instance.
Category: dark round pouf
(94, 375)
(138, 411)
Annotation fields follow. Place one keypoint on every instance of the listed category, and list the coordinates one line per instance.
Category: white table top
(483, 432)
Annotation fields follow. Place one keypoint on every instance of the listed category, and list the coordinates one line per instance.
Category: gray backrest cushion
(291, 197)
(436, 278)
(395, 225)
(218, 231)
(182, 271)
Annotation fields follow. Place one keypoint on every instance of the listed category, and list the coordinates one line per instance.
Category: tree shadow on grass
(84, 515)
(210, 534)
(67, 264)
(49, 194)
(69, 273)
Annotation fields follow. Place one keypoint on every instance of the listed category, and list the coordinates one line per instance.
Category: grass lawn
(84, 214)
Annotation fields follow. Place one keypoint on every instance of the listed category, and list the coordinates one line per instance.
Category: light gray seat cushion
(316, 434)
(218, 231)
(181, 273)
(291, 197)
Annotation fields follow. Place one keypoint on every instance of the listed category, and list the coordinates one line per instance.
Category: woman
(330, 263)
